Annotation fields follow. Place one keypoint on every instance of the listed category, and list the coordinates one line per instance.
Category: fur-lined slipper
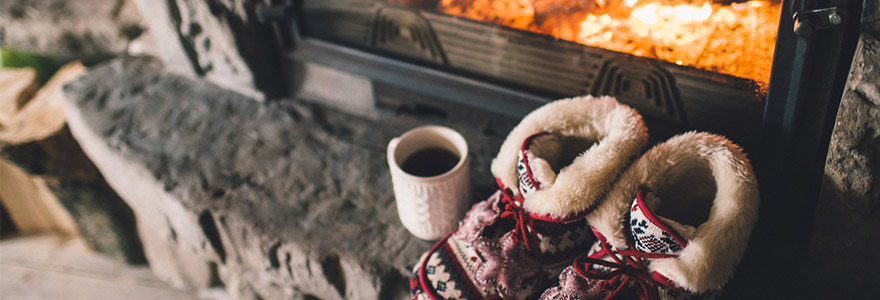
(553, 169)
(674, 225)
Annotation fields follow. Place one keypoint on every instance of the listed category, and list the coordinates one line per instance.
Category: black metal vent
(403, 32)
(648, 89)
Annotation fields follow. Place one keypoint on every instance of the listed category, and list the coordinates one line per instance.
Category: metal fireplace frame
(815, 45)
(530, 70)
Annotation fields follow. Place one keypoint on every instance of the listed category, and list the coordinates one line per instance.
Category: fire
(736, 39)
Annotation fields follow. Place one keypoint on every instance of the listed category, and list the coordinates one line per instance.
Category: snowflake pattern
(569, 240)
(650, 237)
(526, 185)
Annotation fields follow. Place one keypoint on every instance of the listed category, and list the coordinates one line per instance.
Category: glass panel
(729, 37)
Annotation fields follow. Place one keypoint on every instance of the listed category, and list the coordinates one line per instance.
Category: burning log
(726, 36)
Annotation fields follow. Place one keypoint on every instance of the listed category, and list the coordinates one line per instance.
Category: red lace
(627, 266)
(522, 231)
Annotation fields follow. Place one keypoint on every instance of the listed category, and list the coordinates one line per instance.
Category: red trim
(553, 219)
(522, 151)
(598, 254)
(645, 254)
(598, 234)
(500, 184)
(601, 252)
(423, 278)
(640, 202)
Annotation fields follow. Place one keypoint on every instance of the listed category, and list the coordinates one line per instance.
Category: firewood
(43, 115)
(19, 85)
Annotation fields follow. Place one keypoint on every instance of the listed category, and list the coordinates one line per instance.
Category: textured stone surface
(283, 199)
(847, 225)
(218, 39)
(90, 31)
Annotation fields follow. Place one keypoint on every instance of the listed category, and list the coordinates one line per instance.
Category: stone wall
(847, 226)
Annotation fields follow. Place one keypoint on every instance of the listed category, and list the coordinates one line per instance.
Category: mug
(431, 179)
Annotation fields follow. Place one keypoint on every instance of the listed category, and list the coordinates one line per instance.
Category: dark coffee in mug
(430, 162)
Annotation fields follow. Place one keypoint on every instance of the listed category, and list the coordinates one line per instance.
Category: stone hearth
(273, 200)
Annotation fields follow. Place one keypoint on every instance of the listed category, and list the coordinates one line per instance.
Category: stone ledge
(275, 200)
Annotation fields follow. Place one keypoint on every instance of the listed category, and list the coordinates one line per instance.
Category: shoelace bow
(627, 267)
(523, 231)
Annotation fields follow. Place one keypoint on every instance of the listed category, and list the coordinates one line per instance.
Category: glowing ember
(736, 39)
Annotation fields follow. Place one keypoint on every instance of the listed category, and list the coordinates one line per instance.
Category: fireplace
(767, 74)
(529, 62)
(275, 198)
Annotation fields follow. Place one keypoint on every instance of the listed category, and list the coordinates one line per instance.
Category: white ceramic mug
(430, 207)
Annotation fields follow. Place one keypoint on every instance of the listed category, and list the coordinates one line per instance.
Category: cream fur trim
(716, 246)
(620, 134)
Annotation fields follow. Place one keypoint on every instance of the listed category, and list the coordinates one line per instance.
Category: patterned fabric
(481, 259)
(449, 270)
(526, 181)
(559, 244)
(649, 234)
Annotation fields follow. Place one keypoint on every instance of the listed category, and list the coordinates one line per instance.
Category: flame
(747, 5)
(736, 39)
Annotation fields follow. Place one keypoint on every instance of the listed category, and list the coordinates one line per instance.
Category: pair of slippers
(583, 213)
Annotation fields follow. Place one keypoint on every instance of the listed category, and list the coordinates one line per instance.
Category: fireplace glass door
(684, 64)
